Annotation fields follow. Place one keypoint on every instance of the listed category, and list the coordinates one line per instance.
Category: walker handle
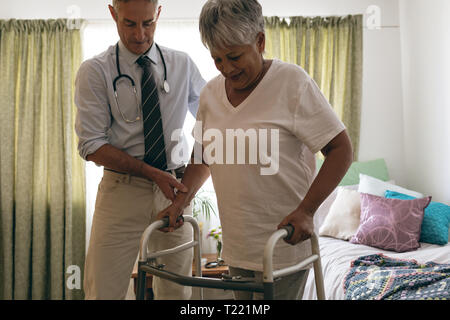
(290, 231)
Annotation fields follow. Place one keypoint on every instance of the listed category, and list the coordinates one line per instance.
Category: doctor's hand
(303, 224)
(167, 183)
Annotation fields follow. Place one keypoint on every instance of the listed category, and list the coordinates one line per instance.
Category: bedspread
(379, 277)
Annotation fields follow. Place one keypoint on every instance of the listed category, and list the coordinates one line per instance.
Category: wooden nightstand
(210, 273)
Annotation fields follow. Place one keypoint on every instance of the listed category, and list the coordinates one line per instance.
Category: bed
(337, 256)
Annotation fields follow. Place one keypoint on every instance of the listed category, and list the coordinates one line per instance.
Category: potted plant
(202, 204)
(216, 234)
(203, 207)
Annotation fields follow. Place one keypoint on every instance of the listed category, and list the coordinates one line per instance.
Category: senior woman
(259, 97)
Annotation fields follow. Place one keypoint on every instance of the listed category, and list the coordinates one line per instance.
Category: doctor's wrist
(149, 172)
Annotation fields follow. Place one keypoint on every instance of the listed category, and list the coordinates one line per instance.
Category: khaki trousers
(125, 207)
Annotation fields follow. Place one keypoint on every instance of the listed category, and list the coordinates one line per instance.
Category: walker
(147, 264)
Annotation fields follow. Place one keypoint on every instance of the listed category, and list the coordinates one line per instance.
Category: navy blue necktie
(155, 149)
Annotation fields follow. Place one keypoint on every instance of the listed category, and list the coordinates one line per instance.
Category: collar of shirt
(131, 58)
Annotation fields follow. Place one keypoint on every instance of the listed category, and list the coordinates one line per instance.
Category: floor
(208, 294)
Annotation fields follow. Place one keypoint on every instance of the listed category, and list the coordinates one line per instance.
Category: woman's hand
(338, 158)
(303, 223)
(173, 212)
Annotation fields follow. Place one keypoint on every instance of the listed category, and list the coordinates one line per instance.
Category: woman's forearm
(194, 177)
(338, 158)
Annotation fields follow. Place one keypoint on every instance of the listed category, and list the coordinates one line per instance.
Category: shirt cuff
(89, 148)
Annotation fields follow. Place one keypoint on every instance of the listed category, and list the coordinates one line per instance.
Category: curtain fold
(42, 195)
(330, 49)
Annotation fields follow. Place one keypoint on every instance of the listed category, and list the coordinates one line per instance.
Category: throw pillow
(342, 221)
(324, 209)
(390, 224)
(375, 168)
(436, 220)
(377, 187)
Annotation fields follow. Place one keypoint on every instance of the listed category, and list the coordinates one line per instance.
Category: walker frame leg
(141, 282)
(268, 290)
(318, 275)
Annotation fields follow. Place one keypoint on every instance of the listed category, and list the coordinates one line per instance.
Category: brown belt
(176, 172)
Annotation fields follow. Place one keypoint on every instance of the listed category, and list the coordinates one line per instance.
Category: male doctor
(130, 135)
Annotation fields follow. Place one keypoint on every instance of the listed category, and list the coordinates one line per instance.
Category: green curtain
(330, 49)
(42, 195)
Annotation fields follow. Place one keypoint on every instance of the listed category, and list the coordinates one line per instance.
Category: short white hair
(230, 22)
(116, 3)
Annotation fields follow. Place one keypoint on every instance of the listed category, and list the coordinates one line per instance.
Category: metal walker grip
(166, 221)
(290, 231)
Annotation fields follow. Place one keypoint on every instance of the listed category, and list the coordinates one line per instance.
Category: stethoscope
(165, 87)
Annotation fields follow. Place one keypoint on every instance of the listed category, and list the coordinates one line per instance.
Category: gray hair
(116, 3)
(230, 22)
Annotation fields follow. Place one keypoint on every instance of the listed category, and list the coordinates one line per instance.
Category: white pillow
(342, 221)
(324, 209)
(371, 185)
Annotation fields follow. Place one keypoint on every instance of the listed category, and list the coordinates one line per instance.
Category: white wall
(44, 9)
(382, 114)
(426, 77)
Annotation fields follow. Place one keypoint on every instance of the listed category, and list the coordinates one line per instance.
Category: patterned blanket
(378, 277)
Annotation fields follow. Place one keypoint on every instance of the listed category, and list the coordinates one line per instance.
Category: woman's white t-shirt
(260, 158)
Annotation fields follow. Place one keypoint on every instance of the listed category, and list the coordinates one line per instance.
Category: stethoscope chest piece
(166, 87)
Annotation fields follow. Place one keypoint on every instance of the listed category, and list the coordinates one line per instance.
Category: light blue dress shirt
(99, 121)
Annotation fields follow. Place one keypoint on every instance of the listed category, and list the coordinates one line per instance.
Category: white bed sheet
(336, 256)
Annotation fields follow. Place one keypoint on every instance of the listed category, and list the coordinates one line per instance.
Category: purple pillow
(390, 224)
